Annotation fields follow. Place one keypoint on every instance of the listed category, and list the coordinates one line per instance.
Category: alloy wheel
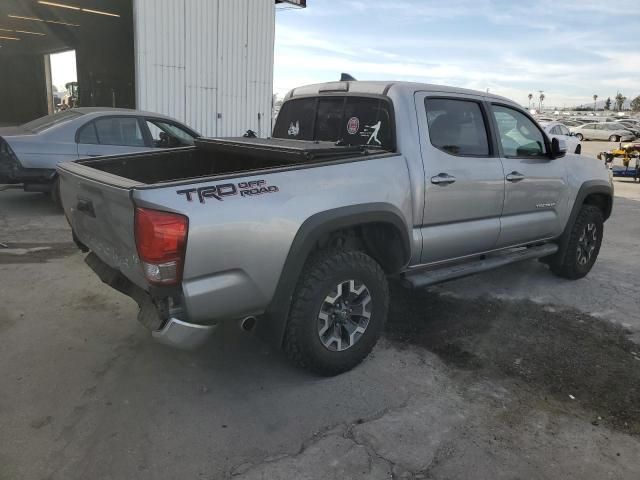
(587, 243)
(344, 315)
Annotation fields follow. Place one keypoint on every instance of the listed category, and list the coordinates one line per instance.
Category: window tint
(519, 136)
(329, 119)
(119, 131)
(457, 126)
(295, 120)
(167, 135)
(87, 134)
(367, 121)
(354, 121)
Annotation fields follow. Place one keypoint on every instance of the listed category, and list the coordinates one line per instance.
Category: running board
(425, 278)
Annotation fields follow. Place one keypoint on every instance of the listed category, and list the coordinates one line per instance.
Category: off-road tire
(322, 272)
(614, 138)
(579, 136)
(566, 264)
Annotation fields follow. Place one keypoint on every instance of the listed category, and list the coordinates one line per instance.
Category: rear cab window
(351, 120)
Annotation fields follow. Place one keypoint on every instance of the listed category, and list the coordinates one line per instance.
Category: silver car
(30, 153)
(602, 131)
(561, 132)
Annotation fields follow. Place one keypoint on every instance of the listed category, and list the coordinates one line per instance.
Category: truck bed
(211, 157)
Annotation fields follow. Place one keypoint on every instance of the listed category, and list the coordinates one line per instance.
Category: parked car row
(612, 129)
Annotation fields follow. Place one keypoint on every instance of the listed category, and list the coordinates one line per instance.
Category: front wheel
(579, 149)
(614, 138)
(581, 251)
(338, 312)
(579, 136)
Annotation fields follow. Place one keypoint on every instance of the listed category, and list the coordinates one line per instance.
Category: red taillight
(161, 238)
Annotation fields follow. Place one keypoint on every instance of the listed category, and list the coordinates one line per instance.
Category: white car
(561, 132)
(602, 131)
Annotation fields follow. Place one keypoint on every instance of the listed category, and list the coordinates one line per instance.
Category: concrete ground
(511, 374)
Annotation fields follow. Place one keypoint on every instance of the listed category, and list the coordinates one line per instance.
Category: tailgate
(99, 208)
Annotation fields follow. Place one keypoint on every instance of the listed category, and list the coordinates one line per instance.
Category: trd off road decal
(219, 192)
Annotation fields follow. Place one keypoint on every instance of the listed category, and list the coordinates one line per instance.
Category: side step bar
(425, 278)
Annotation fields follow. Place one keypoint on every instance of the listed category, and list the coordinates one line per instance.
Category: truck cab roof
(384, 88)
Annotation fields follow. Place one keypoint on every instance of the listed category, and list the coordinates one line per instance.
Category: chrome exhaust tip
(248, 323)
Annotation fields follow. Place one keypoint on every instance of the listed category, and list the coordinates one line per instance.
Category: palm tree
(595, 97)
(530, 96)
(542, 97)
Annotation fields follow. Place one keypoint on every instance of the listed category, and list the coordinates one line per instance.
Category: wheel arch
(593, 192)
(376, 223)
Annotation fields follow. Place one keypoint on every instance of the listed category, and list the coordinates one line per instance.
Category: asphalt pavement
(510, 374)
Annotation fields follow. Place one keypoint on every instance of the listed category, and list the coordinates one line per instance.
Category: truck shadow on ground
(28, 203)
(565, 354)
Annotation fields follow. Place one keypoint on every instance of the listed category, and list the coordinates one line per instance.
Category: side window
(457, 126)
(564, 130)
(167, 135)
(88, 134)
(119, 131)
(555, 131)
(519, 136)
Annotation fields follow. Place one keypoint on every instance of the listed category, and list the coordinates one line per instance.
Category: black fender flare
(587, 188)
(319, 224)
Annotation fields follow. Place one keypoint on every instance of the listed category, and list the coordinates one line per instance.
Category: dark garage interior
(100, 32)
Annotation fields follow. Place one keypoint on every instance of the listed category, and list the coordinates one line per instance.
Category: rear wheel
(338, 311)
(579, 149)
(583, 246)
(579, 136)
(614, 138)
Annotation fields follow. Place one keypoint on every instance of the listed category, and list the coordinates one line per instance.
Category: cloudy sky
(571, 49)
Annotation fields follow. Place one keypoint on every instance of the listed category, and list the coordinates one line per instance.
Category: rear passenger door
(111, 136)
(464, 179)
(536, 189)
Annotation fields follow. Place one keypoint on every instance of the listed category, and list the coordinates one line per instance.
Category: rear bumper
(187, 336)
(161, 315)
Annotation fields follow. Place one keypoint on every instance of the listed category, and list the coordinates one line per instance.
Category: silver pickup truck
(295, 236)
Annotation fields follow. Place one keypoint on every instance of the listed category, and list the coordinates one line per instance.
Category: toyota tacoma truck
(296, 236)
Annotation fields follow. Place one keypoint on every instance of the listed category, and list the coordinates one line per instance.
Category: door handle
(514, 177)
(443, 179)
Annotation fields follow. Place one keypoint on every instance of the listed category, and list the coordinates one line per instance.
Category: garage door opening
(45, 38)
(64, 80)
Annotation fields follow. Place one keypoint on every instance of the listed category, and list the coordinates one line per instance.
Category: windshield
(350, 120)
(42, 123)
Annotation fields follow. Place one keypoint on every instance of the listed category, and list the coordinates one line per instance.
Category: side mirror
(558, 148)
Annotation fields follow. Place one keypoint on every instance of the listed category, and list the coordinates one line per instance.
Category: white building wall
(208, 63)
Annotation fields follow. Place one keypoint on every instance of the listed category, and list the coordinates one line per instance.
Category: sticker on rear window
(353, 125)
(294, 129)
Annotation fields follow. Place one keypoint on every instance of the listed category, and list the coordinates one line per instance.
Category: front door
(464, 180)
(536, 186)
